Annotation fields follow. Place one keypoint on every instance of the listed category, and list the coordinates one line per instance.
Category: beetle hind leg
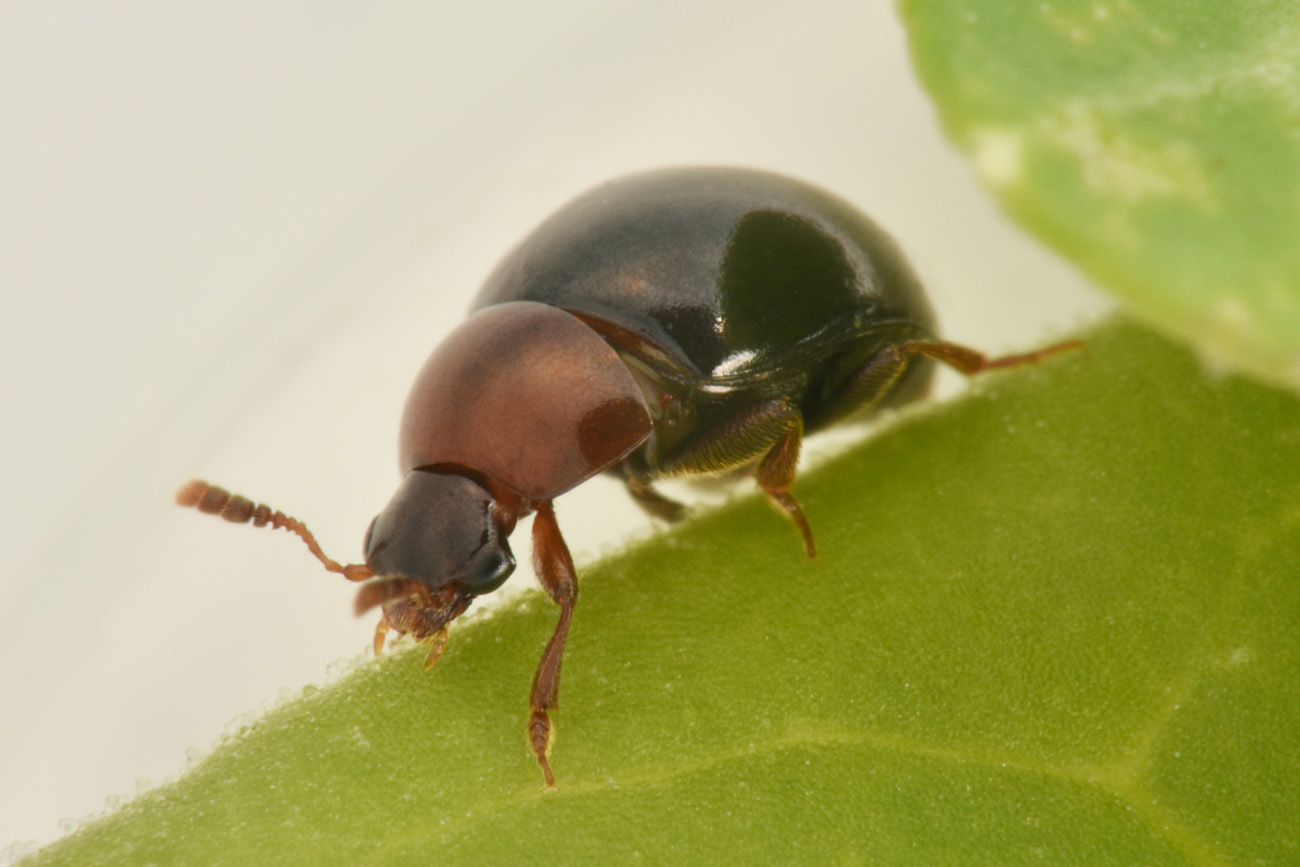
(969, 361)
(875, 379)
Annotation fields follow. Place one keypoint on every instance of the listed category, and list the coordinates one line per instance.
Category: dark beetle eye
(491, 565)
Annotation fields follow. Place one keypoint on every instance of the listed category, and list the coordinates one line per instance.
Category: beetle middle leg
(768, 434)
(554, 567)
(775, 475)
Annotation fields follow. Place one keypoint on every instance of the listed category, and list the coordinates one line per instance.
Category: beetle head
(438, 543)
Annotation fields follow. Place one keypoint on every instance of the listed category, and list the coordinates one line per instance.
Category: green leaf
(1056, 622)
(1154, 142)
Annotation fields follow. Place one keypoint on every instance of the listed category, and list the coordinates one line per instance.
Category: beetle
(672, 323)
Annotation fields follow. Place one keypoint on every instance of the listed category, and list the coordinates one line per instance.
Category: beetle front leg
(554, 567)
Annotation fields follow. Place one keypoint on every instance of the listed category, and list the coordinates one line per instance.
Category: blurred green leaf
(1154, 142)
(1057, 621)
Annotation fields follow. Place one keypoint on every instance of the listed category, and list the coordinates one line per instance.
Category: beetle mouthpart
(383, 591)
(411, 608)
(381, 635)
(437, 644)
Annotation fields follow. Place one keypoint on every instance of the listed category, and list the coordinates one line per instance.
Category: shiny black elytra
(672, 323)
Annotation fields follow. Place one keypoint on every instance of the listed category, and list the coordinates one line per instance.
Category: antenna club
(214, 500)
(190, 493)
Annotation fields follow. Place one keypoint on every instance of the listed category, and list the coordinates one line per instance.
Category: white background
(230, 233)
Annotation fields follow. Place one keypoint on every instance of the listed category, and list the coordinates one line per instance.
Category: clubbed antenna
(213, 500)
